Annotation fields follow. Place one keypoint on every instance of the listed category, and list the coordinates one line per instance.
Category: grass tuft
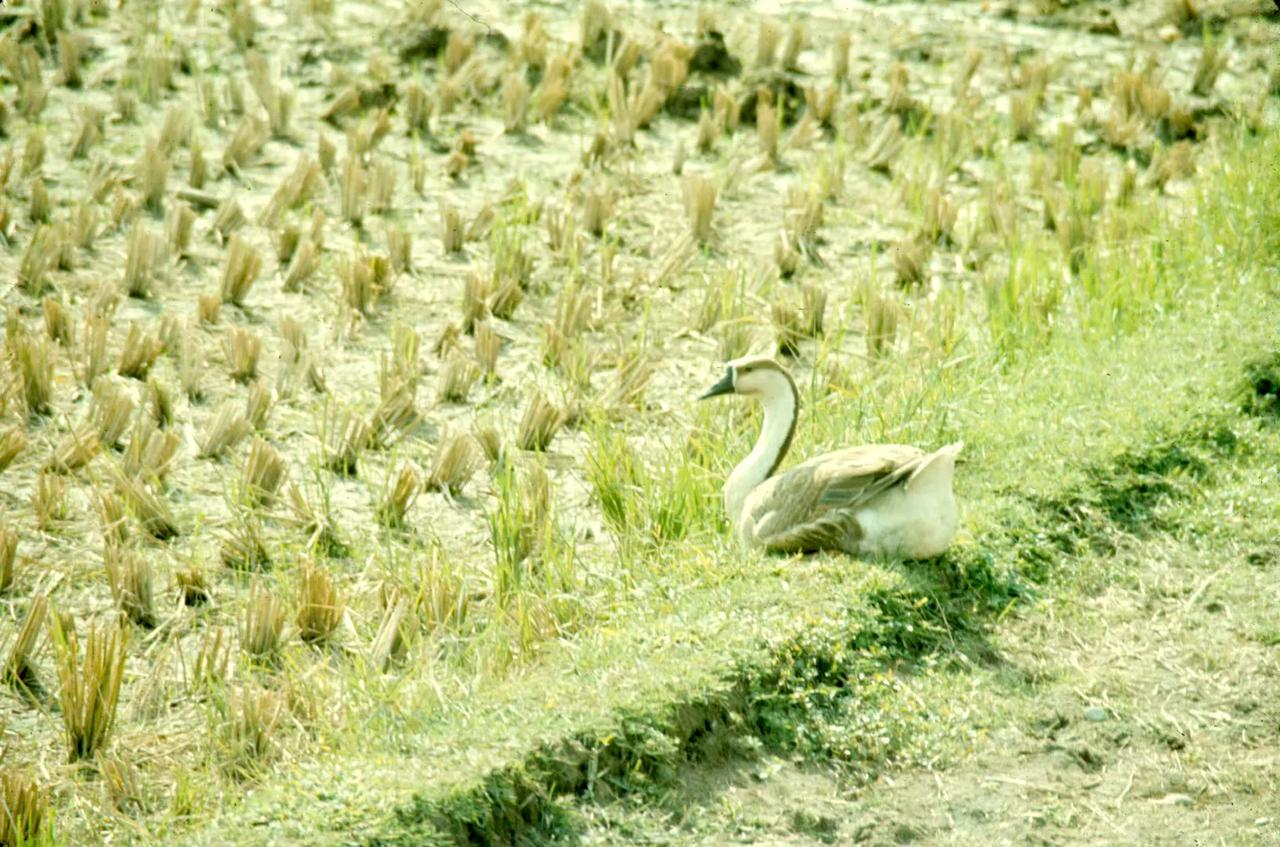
(700, 204)
(241, 271)
(90, 687)
(264, 472)
(8, 556)
(398, 495)
(262, 627)
(19, 671)
(539, 424)
(456, 460)
(320, 607)
(24, 809)
(131, 579)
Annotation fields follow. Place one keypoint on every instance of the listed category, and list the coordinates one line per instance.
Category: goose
(879, 500)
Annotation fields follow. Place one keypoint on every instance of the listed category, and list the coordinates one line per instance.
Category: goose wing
(814, 505)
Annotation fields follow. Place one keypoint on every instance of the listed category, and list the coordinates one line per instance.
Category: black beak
(724, 386)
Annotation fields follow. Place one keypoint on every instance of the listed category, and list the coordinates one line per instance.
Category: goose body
(887, 500)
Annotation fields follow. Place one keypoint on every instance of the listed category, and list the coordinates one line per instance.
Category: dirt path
(1139, 705)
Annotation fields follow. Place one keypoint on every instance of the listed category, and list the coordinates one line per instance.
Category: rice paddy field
(352, 490)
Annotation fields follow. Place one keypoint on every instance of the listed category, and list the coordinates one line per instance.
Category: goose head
(754, 376)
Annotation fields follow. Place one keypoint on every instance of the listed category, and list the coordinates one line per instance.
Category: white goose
(886, 500)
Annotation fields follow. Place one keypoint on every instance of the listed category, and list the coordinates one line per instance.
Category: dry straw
(90, 686)
(24, 807)
(19, 669)
(456, 460)
(539, 424)
(320, 606)
(241, 271)
(263, 625)
(398, 497)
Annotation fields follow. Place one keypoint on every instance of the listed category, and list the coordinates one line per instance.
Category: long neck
(780, 411)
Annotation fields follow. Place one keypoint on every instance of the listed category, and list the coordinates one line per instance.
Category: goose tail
(936, 469)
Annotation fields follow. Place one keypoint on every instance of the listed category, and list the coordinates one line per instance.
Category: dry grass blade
(139, 353)
(34, 362)
(353, 185)
(400, 249)
(597, 208)
(344, 437)
(264, 471)
(883, 148)
(243, 549)
(241, 271)
(94, 353)
(394, 417)
(182, 222)
(226, 430)
(316, 522)
(57, 322)
(487, 346)
(112, 518)
(228, 219)
(39, 257)
(191, 366)
(76, 449)
(8, 555)
(287, 239)
(506, 298)
(151, 511)
(248, 725)
(456, 378)
(362, 281)
(539, 424)
(700, 204)
(131, 579)
(768, 127)
(456, 460)
(1024, 114)
(122, 782)
(193, 585)
(141, 267)
(245, 144)
(911, 260)
(24, 806)
(12, 442)
(515, 101)
(814, 309)
(294, 191)
(476, 293)
(48, 502)
(19, 670)
(398, 497)
(634, 372)
(880, 315)
(305, 262)
(243, 349)
(263, 625)
(320, 607)
(1213, 61)
(389, 642)
(257, 406)
(452, 228)
(787, 327)
(212, 660)
(151, 175)
(89, 688)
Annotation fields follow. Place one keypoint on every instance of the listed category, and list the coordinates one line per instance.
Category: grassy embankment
(1079, 421)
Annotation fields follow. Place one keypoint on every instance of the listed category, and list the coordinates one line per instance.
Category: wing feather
(814, 505)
